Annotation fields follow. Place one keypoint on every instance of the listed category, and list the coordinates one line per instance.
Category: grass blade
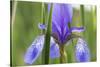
(47, 38)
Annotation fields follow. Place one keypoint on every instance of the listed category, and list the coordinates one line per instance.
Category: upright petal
(82, 51)
(61, 16)
(61, 11)
(34, 50)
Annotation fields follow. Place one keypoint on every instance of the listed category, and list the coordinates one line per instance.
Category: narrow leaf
(47, 38)
(43, 31)
(43, 16)
(82, 14)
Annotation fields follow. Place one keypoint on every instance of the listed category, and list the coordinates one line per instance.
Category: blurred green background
(25, 29)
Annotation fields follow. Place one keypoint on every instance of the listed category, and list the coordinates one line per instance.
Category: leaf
(82, 14)
(47, 38)
(43, 16)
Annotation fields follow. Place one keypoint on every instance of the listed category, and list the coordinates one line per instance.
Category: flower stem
(63, 55)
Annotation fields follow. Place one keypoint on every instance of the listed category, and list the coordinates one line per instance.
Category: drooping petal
(54, 49)
(34, 50)
(36, 47)
(82, 51)
(77, 29)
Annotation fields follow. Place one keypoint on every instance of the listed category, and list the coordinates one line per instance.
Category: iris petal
(77, 29)
(61, 16)
(82, 51)
(34, 50)
(36, 47)
(41, 26)
(61, 11)
(54, 49)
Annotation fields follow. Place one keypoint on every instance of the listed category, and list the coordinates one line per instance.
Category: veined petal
(82, 51)
(77, 29)
(36, 47)
(61, 16)
(34, 50)
(54, 49)
(61, 11)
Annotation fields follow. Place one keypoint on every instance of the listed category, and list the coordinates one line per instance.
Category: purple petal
(77, 29)
(54, 49)
(36, 47)
(82, 51)
(34, 50)
(61, 11)
(61, 16)
(41, 26)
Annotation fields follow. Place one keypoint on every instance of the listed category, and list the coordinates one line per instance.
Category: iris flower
(61, 18)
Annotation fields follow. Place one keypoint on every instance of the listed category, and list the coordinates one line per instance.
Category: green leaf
(47, 38)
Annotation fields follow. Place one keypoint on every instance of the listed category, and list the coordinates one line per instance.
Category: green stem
(43, 16)
(14, 11)
(93, 16)
(63, 55)
(43, 31)
(82, 16)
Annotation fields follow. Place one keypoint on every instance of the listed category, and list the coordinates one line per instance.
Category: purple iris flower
(61, 17)
(82, 52)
